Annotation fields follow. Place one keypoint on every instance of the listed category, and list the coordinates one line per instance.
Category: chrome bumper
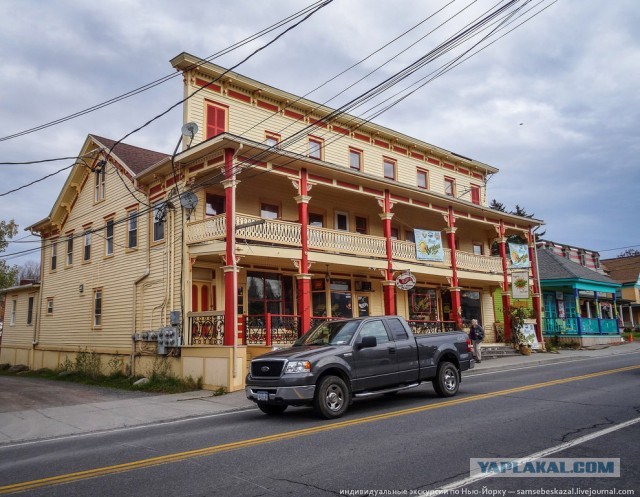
(283, 395)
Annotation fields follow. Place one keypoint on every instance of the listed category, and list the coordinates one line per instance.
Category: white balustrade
(346, 242)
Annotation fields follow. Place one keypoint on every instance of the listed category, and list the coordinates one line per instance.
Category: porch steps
(497, 351)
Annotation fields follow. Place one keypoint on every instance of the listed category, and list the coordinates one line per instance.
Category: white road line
(538, 455)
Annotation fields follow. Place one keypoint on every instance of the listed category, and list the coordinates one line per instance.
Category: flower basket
(525, 349)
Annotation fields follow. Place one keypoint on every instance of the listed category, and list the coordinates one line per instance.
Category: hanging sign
(519, 255)
(520, 284)
(405, 281)
(429, 245)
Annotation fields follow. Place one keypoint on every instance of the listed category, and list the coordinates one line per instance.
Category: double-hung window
(54, 254)
(450, 187)
(132, 229)
(315, 148)
(422, 179)
(87, 246)
(475, 194)
(159, 212)
(389, 168)
(69, 260)
(355, 159)
(100, 182)
(97, 307)
(108, 238)
(216, 119)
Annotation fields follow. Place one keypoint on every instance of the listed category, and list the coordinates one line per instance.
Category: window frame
(225, 109)
(97, 291)
(393, 163)
(219, 198)
(269, 135)
(475, 193)
(319, 214)
(360, 154)
(320, 143)
(54, 256)
(12, 314)
(68, 259)
(450, 181)
(100, 184)
(366, 225)
(335, 220)
(132, 214)
(109, 241)
(86, 246)
(424, 173)
(475, 244)
(49, 306)
(156, 207)
(30, 311)
(270, 204)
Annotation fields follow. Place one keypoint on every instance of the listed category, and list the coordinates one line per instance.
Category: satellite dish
(189, 200)
(190, 130)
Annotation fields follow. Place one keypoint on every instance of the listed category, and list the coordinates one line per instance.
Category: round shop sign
(405, 281)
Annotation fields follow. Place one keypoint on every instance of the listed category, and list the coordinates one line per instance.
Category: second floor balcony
(323, 240)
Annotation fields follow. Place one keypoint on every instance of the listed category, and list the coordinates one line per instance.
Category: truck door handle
(392, 351)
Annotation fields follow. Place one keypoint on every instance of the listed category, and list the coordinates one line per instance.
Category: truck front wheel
(332, 397)
(447, 380)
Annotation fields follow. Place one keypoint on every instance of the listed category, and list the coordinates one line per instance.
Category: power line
(163, 79)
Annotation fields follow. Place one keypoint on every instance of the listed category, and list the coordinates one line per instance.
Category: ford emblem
(264, 369)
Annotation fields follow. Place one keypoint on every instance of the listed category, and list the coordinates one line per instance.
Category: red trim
(230, 280)
(361, 137)
(380, 143)
(473, 216)
(449, 166)
(371, 190)
(132, 206)
(476, 175)
(319, 123)
(347, 185)
(416, 155)
(491, 220)
(400, 150)
(155, 189)
(400, 198)
(463, 170)
(266, 105)
(438, 208)
(156, 197)
(197, 167)
(286, 170)
(212, 86)
(88, 225)
(239, 96)
(348, 275)
(294, 115)
(460, 214)
(511, 225)
(215, 160)
(433, 161)
(321, 179)
(338, 129)
(109, 216)
(420, 202)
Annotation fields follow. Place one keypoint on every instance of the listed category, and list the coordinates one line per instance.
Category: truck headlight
(298, 367)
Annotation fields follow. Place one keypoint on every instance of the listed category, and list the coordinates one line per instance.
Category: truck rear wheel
(447, 380)
(332, 397)
(271, 409)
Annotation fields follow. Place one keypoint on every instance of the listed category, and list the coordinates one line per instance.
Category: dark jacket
(476, 333)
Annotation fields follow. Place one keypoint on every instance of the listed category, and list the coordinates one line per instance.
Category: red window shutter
(475, 195)
(204, 292)
(194, 298)
(216, 120)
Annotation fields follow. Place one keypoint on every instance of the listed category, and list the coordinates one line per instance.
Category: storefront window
(318, 298)
(269, 292)
(423, 304)
(471, 306)
(341, 305)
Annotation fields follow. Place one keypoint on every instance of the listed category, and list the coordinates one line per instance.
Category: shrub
(88, 363)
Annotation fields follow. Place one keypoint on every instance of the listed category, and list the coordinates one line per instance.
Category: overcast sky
(554, 104)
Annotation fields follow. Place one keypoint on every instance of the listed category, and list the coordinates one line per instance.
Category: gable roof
(556, 267)
(623, 269)
(137, 159)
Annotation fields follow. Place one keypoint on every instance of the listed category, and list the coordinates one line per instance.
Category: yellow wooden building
(276, 212)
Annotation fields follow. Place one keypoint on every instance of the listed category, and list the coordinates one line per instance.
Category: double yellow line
(207, 451)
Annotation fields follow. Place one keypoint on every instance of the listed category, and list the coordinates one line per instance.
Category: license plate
(263, 396)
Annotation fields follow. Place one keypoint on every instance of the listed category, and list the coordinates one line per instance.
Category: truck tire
(332, 397)
(447, 380)
(271, 409)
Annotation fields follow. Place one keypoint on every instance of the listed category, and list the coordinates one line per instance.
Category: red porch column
(456, 307)
(231, 268)
(388, 286)
(506, 297)
(533, 256)
(303, 276)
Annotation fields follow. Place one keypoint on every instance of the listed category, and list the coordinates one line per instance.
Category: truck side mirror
(368, 342)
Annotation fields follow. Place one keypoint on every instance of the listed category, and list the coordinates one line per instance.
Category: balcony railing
(275, 231)
(207, 328)
(587, 326)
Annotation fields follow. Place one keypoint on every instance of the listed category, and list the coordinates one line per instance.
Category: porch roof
(553, 267)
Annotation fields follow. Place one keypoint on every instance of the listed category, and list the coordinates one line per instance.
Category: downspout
(144, 275)
(36, 328)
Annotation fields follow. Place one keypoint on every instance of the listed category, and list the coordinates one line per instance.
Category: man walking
(476, 334)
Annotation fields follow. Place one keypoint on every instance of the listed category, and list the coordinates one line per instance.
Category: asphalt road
(412, 443)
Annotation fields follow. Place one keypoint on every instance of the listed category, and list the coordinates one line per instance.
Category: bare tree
(30, 270)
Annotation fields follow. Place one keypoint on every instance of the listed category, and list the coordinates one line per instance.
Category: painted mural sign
(529, 332)
(429, 245)
(519, 255)
(520, 284)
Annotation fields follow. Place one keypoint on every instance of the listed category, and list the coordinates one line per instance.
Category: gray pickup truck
(339, 360)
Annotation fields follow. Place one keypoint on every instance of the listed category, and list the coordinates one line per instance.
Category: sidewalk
(53, 422)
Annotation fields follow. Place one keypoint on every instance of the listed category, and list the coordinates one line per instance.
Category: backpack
(479, 333)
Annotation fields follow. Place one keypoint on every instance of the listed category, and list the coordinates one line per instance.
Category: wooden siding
(20, 333)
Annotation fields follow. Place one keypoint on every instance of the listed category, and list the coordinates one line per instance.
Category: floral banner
(429, 245)
(519, 255)
(520, 284)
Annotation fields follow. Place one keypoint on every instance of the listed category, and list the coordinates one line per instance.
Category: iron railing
(207, 328)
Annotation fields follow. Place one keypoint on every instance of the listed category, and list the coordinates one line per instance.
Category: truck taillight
(469, 345)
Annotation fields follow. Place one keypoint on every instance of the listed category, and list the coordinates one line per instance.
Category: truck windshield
(329, 333)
